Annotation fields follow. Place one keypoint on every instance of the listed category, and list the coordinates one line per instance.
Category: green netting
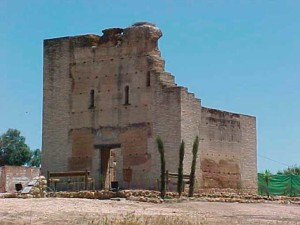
(279, 185)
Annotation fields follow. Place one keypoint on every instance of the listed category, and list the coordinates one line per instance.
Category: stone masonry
(107, 98)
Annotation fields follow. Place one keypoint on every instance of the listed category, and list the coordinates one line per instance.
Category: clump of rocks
(154, 196)
(105, 194)
(39, 189)
(207, 195)
(233, 195)
(8, 195)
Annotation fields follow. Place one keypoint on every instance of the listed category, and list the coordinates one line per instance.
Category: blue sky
(239, 56)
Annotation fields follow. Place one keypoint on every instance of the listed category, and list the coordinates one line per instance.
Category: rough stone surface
(112, 92)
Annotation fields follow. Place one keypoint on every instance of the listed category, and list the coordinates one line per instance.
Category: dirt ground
(80, 211)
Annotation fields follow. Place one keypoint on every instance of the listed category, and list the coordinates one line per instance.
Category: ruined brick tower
(107, 98)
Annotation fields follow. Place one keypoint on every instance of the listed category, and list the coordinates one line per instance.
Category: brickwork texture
(12, 175)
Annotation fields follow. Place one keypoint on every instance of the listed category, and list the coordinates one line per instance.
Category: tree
(161, 151)
(180, 169)
(36, 158)
(290, 170)
(13, 149)
(193, 167)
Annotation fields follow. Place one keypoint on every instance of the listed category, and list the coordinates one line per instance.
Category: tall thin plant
(193, 167)
(267, 176)
(161, 151)
(180, 169)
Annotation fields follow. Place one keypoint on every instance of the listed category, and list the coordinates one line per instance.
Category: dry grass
(134, 219)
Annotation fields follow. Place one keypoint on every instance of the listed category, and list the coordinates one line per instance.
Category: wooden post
(48, 179)
(86, 180)
(55, 183)
(167, 179)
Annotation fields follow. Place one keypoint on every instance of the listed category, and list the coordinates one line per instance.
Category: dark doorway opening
(108, 165)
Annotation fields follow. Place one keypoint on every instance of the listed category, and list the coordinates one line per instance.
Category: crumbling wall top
(143, 35)
(138, 34)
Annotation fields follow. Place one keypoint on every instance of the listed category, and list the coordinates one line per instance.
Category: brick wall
(11, 175)
(249, 154)
(228, 150)
(190, 124)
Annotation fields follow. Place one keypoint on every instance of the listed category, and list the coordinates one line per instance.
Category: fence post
(167, 179)
(48, 179)
(291, 184)
(86, 180)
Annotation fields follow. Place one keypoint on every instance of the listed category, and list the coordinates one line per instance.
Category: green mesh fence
(288, 185)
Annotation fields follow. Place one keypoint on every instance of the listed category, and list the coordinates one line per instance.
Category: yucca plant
(180, 169)
(161, 151)
(193, 167)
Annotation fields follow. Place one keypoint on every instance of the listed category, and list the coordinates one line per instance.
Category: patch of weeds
(134, 219)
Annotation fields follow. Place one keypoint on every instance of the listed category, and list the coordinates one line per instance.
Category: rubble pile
(39, 188)
(154, 196)
(105, 194)
(8, 195)
(209, 195)
(232, 195)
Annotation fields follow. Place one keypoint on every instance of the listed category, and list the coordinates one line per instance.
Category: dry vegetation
(133, 219)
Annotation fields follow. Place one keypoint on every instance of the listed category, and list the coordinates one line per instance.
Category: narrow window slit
(92, 99)
(126, 95)
(148, 79)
